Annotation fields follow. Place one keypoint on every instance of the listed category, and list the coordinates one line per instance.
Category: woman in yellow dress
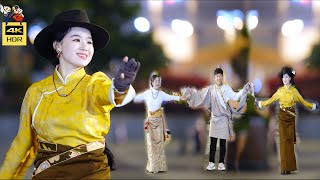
(65, 117)
(288, 96)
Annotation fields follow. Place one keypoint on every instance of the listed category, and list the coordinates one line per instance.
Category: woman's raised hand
(126, 74)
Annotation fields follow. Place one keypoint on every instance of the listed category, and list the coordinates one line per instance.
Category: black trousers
(213, 146)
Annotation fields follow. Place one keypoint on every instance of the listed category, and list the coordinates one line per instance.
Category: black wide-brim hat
(43, 42)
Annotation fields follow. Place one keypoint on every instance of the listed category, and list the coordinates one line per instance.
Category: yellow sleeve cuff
(127, 97)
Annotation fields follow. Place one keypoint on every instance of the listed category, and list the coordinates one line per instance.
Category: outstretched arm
(122, 82)
(267, 102)
(126, 74)
(241, 95)
(231, 95)
(140, 97)
(300, 99)
(197, 98)
(118, 92)
(168, 97)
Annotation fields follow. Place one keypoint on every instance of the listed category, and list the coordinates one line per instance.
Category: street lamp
(291, 28)
(142, 24)
(230, 20)
(182, 28)
(252, 19)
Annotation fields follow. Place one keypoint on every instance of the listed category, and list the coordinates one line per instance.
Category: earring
(58, 54)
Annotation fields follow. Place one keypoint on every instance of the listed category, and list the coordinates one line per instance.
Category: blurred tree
(313, 61)
(246, 138)
(239, 61)
(117, 17)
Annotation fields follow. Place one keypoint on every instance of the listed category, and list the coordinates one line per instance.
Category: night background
(185, 40)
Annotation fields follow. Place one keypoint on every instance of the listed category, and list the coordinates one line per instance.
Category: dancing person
(65, 117)
(215, 98)
(155, 123)
(288, 96)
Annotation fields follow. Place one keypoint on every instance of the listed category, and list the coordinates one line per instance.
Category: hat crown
(72, 15)
(67, 19)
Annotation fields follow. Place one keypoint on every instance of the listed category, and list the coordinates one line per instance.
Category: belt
(67, 155)
(287, 110)
(156, 113)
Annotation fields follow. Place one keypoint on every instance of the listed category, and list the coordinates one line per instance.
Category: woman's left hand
(126, 74)
(185, 93)
(247, 88)
(183, 98)
(256, 103)
(168, 136)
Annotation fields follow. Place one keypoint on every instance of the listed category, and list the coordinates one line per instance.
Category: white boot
(221, 167)
(211, 166)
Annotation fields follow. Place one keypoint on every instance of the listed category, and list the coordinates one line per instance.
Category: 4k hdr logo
(14, 33)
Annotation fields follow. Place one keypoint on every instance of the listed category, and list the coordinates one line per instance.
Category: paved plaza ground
(131, 156)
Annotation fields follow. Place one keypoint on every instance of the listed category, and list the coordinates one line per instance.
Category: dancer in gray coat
(215, 98)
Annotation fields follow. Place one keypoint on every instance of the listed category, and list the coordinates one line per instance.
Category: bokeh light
(293, 27)
(182, 28)
(142, 24)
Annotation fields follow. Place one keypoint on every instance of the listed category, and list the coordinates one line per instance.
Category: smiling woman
(156, 129)
(75, 50)
(288, 96)
(64, 118)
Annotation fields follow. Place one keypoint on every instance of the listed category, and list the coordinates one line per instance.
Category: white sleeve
(231, 95)
(198, 98)
(140, 97)
(168, 97)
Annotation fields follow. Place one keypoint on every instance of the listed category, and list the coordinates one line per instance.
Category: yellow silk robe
(82, 117)
(287, 98)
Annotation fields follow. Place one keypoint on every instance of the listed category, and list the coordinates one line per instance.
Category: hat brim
(43, 42)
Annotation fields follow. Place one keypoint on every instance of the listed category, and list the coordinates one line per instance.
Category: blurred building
(199, 35)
